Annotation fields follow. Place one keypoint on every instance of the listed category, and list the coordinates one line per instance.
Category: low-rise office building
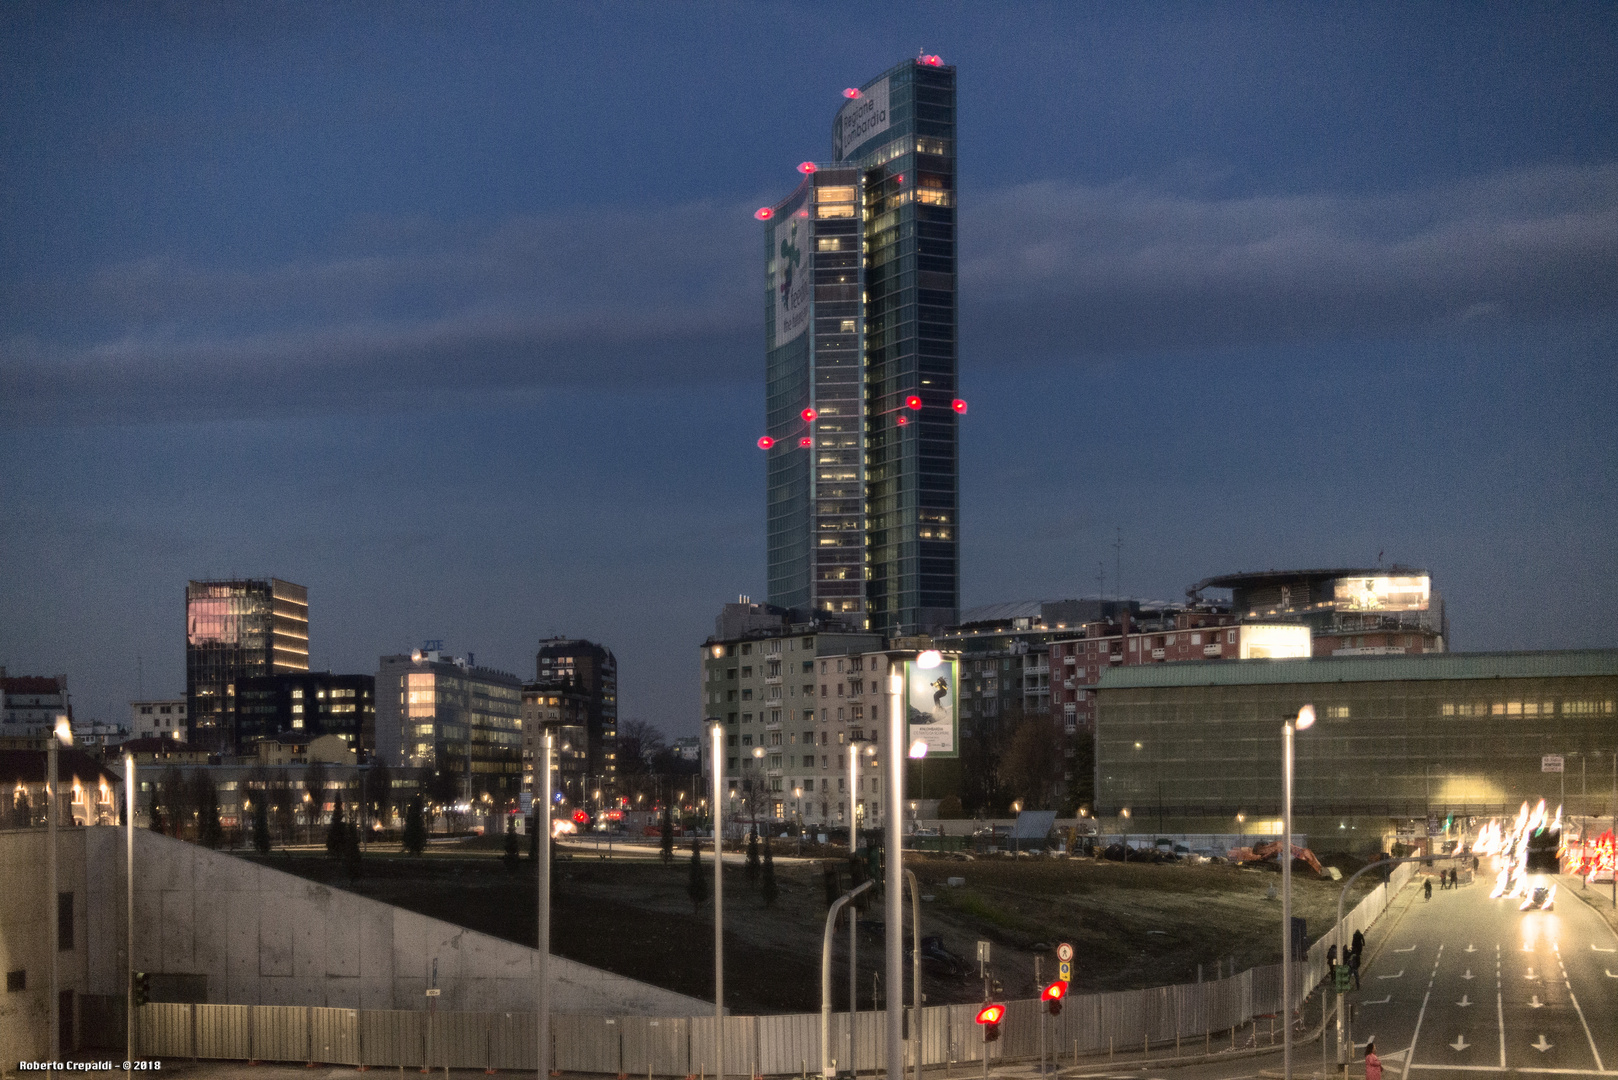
(1401, 744)
(158, 719)
(444, 713)
(306, 705)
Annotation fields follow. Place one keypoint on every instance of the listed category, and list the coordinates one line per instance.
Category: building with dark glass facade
(860, 327)
(592, 671)
(234, 629)
(306, 706)
(1399, 742)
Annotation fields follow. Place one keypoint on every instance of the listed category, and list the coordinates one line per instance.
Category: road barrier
(782, 1045)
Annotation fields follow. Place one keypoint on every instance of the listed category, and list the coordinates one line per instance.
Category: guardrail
(684, 1046)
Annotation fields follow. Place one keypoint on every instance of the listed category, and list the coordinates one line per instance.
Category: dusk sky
(454, 313)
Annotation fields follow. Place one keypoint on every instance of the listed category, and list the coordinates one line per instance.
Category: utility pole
(52, 906)
(893, 867)
(129, 910)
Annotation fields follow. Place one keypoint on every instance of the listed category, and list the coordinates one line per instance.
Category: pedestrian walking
(1331, 957)
(1373, 1064)
(1427, 889)
(1356, 944)
(1354, 968)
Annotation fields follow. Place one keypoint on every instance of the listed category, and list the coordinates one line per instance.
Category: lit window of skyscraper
(860, 327)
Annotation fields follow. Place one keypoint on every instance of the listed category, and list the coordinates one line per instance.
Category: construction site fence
(781, 1045)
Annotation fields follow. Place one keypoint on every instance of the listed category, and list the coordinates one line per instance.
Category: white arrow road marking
(1531, 977)
(1469, 947)
(1535, 1003)
(1398, 976)
(1411, 949)
(1598, 948)
(1610, 973)
(1384, 1001)
(1464, 1003)
(1469, 974)
(1460, 1043)
(1541, 1045)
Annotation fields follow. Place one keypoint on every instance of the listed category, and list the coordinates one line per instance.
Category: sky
(454, 312)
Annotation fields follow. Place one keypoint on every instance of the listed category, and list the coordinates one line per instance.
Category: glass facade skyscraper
(861, 401)
(235, 629)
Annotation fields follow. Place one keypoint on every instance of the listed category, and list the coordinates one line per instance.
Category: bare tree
(1032, 764)
(314, 786)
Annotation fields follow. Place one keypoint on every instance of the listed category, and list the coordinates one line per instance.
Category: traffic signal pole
(826, 941)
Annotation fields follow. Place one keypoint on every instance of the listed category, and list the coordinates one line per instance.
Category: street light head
(1306, 717)
(918, 750)
(758, 751)
(1124, 812)
(64, 731)
(929, 659)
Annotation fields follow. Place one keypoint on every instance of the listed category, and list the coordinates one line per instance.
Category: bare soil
(1130, 925)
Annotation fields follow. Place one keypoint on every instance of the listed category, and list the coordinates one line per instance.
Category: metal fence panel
(1019, 1031)
(586, 1043)
(334, 1036)
(460, 1040)
(514, 1041)
(656, 1046)
(224, 1031)
(281, 1033)
(393, 1037)
(934, 1034)
(163, 1030)
(966, 1041)
(871, 1040)
(789, 1045)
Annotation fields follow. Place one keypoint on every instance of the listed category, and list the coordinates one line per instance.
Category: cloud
(1071, 271)
(672, 295)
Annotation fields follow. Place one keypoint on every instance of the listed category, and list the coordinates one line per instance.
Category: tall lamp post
(62, 735)
(542, 852)
(1306, 718)
(719, 900)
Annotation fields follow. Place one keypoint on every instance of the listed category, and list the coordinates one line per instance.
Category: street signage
(1064, 971)
(1550, 763)
(1064, 952)
(434, 992)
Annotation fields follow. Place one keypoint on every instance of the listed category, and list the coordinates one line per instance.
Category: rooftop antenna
(140, 679)
(1101, 580)
(1118, 563)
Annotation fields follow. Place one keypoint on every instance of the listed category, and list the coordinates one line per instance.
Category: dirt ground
(1130, 925)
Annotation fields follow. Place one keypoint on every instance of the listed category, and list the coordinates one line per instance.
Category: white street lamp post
(129, 909)
(719, 900)
(1306, 717)
(542, 826)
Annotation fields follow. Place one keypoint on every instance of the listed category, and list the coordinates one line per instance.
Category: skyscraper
(233, 629)
(860, 328)
(592, 670)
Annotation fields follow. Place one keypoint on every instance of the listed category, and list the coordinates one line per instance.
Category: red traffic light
(913, 401)
(809, 415)
(958, 405)
(765, 442)
(991, 1014)
(581, 817)
(1056, 991)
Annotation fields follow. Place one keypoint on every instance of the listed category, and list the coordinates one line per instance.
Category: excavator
(1270, 849)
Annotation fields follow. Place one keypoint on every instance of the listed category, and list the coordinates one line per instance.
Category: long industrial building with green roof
(1404, 746)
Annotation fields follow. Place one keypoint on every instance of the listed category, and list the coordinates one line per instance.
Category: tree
(696, 885)
(667, 830)
(379, 790)
(174, 800)
(638, 743)
(209, 830)
(752, 856)
(21, 813)
(261, 823)
(351, 850)
(769, 890)
(284, 805)
(415, 829)
(512, 856)
(1032, 764)
(337, 831)
(155, 819)
(314, 789)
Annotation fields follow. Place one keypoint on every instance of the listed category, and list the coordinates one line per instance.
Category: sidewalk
(1598, 897)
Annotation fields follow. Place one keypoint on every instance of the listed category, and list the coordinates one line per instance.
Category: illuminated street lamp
(1305, 720)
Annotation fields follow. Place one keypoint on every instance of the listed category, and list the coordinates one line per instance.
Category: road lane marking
(1464, 1003)
(1531, 977)
(1535, 1003)
(1460, 1043)
(1466, 1068)
(1413, 949)
(1470, 948)
(1398, 976)
(1500, 1018)
(1384, 1001)
(1469, 974)
(1542, 1045)
(1411, 1052)
(1610, 973)
(1597, 1053)
(1598, 948)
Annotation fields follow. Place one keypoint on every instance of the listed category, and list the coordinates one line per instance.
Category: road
(1463, 984)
